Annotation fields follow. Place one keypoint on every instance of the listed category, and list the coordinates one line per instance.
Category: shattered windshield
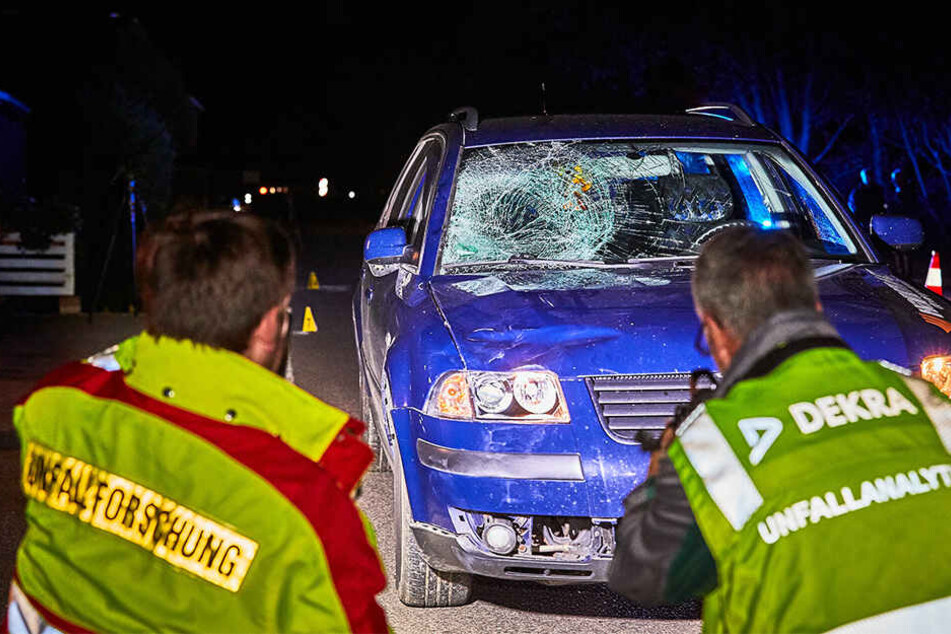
(623, 202)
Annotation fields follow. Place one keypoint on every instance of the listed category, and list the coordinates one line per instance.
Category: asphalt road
(325, 365)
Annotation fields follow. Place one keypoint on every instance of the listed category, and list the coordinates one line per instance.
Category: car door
(409, 207)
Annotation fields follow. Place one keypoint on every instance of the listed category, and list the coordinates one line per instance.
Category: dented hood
(580, 322)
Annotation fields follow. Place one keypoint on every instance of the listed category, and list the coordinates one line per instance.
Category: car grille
(631, 402)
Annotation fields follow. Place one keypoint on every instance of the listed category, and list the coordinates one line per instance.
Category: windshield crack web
(579, 201)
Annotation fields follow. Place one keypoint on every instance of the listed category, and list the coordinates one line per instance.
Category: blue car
(524, 321)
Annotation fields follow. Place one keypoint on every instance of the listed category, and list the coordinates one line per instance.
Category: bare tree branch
(833, 139)
(806, 123)
(933, 154)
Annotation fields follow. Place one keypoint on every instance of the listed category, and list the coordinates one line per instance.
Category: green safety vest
(175, 487)
(823, 491)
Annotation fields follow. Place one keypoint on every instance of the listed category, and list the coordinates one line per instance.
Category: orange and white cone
(933, 281)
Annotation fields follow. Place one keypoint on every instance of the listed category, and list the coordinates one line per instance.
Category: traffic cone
(312, 283)
(310, 324)
(933, 280)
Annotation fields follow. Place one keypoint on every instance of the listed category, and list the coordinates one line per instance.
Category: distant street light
(262, 191)
(247, 199)
(272, 190)
(352, 195)
(323, 187)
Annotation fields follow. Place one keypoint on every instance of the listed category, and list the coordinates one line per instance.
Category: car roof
(625, 126)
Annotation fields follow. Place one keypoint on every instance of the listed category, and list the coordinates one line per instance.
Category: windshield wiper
(835, 260)
(517, 261)
(531, 260)
(673, 260)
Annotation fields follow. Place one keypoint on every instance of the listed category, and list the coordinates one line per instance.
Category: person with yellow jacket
(811, 492)
(177, 482)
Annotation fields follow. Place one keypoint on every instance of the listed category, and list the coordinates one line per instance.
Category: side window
(817, 225)
(412, 202)
(395, 202)
(411, 214)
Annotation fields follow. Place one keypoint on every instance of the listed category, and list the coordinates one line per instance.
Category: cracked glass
(604, 203)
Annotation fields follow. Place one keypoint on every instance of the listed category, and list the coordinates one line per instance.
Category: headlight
(938, 371)
(492, 394)
(536, 392)
(531, 396)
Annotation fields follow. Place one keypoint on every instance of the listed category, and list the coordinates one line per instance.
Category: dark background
(202, 106)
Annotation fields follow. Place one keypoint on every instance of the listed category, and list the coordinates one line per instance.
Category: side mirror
(899, 232)
(385, 246)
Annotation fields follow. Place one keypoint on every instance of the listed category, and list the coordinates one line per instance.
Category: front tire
(417, 583)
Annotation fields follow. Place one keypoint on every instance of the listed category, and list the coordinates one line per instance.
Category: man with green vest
(177, 482)
(812, 491)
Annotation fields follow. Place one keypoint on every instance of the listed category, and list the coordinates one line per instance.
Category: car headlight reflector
(529, 396)
(937, 370)
(537, 392)
(492, 394)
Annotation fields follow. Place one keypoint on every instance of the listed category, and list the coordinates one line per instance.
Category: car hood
(580, 322)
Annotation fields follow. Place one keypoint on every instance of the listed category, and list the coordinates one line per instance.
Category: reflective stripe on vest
(22, 617)
(937, 408)
(106, 360)
(723, 476)
(921, 619)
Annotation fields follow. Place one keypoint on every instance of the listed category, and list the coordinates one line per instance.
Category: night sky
(344, 90)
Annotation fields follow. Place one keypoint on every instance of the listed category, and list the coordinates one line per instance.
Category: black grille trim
(630, 402)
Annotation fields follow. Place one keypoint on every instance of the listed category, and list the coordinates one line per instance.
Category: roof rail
(7, 97)
(728, 111)
(467, 116)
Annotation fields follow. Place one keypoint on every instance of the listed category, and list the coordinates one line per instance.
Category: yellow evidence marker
(309, 324)
(312, 283)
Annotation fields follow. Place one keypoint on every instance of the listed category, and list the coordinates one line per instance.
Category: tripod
(130, 203)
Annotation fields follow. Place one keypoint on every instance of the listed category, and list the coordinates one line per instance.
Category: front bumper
(459, 473)
(565, 470)
(444, 550)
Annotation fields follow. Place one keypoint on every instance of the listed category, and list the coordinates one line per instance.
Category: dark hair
(210, 277)
(744, 276)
